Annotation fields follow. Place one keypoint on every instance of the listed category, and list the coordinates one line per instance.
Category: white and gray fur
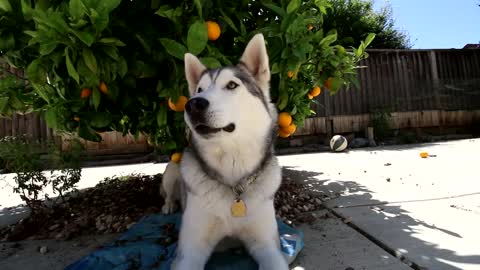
(232, 140)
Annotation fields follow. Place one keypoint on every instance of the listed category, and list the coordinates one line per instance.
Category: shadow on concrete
(393, 219)
(11, 215)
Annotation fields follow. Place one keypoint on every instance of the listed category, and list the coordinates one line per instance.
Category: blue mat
(150, 244)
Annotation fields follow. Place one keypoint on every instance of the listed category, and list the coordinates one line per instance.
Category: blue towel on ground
(146, 245)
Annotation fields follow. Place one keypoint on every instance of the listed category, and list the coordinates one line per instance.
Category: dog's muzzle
(196, 109)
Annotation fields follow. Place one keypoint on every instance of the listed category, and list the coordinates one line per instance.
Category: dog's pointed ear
(193, 71)
(255, 58)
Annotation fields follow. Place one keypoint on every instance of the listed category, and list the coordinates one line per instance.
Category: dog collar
(239, 207)
(240, 188)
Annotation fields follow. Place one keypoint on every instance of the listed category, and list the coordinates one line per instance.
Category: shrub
(381, 121)
(27, 159)
(94, 66)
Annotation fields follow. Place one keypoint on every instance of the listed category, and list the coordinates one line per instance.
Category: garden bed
(115, 204)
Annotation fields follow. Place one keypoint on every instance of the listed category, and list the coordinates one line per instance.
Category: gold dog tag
(239, 209)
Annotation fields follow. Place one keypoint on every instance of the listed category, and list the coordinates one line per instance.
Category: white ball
(338, 143)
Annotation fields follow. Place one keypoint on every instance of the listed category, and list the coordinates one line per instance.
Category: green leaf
(294, 110)
(335, 85)
(276, 9)
(85, 37)
(31, 33)
(198, 4)
(16, 103)
(170, 145)
(197, 37)
(40, 89)
(355, 82)
(162, 116)
(70, 68)
(108, 5)
(51, 118)
(243, 28)
(27, 9)
(228, 21)
(87, 133)
(36, 72)
(329, 39)
(112, 52)
(282, 100)
(78, 24)
(7, 41)
(361, 49)
(210, 62)
(122, 67)
(5, 5)
(293, 5)
(170, 13)
(113, 41)
(174, 48)
(275, 68)
(47, 47)
(96, 96)
(77, 9)
(369, 39)
(90, 60)
(100, 120)
(61, 92)
(3, 104)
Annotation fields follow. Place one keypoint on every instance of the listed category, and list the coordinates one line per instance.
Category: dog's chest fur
(215, 196)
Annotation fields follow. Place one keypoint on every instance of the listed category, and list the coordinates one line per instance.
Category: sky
(437, 24)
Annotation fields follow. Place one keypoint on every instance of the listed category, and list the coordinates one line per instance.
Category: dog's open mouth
(204, 129)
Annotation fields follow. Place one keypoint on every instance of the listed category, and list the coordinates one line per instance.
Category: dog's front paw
(169, 207)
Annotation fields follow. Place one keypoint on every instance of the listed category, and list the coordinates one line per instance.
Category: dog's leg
(199, 234)
(169, 188)
(263, 242)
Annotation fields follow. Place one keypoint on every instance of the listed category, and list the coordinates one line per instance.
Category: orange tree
(93, 66)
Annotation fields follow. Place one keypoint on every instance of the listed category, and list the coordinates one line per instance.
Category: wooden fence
(31, 125)
(410, 80)
(423, 88)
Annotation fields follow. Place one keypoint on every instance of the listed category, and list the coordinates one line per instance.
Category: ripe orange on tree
(213, 30)
(328, 83)
(315, 91)
(283, 134)
(103, 87)
(290, 129)
(290, 74)
(179, 106)
(85, 92)
(176, 157)
(284, 119)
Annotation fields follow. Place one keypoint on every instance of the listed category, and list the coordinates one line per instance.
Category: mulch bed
(115, 204)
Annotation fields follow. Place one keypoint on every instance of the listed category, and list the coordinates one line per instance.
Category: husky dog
(229, 174)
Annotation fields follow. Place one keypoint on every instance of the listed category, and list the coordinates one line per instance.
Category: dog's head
(233, 101)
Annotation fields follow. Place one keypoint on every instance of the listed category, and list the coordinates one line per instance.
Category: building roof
(472, 46)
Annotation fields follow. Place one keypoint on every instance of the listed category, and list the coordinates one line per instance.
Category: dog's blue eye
(232, 85)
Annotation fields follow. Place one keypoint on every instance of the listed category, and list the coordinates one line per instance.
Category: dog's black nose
(196, 105)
